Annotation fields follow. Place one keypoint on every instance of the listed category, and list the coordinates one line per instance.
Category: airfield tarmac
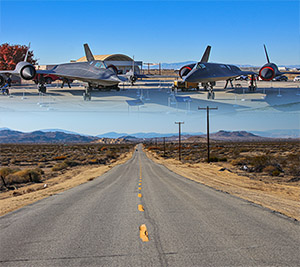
(147, 99)
(153, 96)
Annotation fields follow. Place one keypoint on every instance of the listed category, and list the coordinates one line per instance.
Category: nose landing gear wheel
(42, 89)
(87, 96)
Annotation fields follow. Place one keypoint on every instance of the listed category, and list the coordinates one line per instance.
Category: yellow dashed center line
(140, 207)
(144, 233)
(140, 188)
(139, 195)
(140, 183)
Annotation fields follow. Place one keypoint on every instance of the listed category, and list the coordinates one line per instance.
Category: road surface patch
(144, 233)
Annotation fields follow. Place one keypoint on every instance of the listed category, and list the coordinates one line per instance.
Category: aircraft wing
(246, 73)
(62, 75)
(7, 72)
(289, 72)
(79, 78)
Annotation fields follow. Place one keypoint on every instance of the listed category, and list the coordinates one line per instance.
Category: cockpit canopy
(200, 66)
(98, 64)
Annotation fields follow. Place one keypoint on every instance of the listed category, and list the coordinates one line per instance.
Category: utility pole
(207, 131)
(179, 140)
(164, 146)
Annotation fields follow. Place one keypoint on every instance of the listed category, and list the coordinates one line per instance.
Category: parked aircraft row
(97, 75)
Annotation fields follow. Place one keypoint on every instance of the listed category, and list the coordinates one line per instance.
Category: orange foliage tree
(10, 55)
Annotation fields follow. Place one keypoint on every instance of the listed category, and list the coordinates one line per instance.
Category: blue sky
(155, 31)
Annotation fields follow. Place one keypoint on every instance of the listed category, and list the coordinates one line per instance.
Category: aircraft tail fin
(206, 54)
(88, 53)
(267, 56)
(26, 56)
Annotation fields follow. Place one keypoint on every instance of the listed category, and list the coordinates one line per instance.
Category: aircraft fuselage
(94, 72)
(212, 72)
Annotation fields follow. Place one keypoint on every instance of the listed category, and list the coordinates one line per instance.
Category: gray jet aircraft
(209, 73)
(94, 72)
(23, 69)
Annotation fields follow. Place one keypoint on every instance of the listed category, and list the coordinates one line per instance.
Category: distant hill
(62, 130)
(178, 65)
(279, 133)
(236, 136)
(10, 136)
(143, 135)
(228, 136)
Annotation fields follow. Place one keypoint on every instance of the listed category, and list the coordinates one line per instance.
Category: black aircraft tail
(205, 56)
(26, 56)
(88, 53)
(267, 56)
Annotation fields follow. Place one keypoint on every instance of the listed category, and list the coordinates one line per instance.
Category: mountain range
(62, 136)
(178, 65)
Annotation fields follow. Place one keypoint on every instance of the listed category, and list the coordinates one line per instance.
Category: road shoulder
(26, 195)
(279, 198)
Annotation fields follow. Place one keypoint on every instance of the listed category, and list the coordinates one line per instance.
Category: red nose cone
(267, 73)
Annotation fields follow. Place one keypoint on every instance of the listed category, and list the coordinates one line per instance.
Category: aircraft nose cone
(28, 73)
(267, 73)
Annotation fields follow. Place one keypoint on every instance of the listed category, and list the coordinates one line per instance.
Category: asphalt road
(170, 221)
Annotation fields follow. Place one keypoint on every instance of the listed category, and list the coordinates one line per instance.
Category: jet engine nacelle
(268, 71)
(26, 70)
(113, 68)
(2, 80)
(185, 70)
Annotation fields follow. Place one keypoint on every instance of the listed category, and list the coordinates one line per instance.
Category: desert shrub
(111, 155)
(294, 171)
(59, 166)
(59, 157)
(239, 162)
(272, 170)
(259, 162)
(25, 176)
(213, 159)
(275, 172)
(153, 148)
(93, 161)
(71, 163)
(4, 172)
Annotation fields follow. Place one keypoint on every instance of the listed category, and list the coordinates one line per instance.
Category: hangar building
(122, 62)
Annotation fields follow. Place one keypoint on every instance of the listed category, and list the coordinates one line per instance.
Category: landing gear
(87, 96)
(42, 89)
(229, 81)
(41, 84)
(205, 86)
(211, 94)
(65, 81)
(252, 84)
(210, 88)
